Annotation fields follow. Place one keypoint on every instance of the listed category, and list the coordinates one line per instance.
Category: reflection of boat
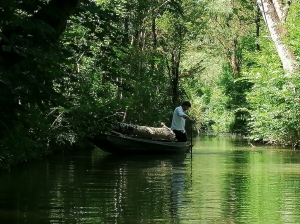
(124, 144)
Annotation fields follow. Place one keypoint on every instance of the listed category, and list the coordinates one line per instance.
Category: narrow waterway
(224, 181)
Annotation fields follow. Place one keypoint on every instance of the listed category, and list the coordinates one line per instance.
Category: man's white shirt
(178, 122)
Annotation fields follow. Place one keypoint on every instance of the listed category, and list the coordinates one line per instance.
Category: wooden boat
(124, 144)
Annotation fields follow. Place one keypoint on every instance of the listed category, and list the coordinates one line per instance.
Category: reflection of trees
(142, 187)
(261, 189)
(240, 184)
(125, 188)
(236, 184)
(93, 189)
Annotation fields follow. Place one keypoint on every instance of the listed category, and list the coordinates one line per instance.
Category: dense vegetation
(71, 68)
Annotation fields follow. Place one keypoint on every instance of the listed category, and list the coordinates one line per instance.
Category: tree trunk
(173, 72)
(257, 25)
(274, 15)
(157, 133)
(58, 22)
(234, 60)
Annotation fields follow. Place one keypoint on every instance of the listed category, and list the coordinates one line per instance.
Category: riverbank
(20, 153)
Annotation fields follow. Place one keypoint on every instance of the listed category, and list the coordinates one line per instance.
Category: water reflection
(245, 185)
(145, 187)
(224, 181)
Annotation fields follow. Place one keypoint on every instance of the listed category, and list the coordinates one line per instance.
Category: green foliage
(273, 98)
(53, 95)
(235, 89)
(132, 61)
(275, 117)
(293, 20)
(56, 92)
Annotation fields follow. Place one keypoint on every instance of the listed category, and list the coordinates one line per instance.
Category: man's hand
(191, 119)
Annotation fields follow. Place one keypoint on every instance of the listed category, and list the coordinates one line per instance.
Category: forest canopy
(69, 69)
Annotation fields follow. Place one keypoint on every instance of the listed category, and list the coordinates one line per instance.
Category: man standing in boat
(178, 121)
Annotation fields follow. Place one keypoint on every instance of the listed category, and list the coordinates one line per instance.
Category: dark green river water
(224, 181)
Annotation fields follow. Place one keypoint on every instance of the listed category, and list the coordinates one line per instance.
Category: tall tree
(28, 30)
(177, 29)
(274, 13)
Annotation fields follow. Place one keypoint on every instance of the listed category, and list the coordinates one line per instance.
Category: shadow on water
(141, 160)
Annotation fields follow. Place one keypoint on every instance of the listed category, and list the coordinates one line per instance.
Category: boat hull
(118, 144)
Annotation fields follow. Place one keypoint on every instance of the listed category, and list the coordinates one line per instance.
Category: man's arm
(181, 113)
(187, 117)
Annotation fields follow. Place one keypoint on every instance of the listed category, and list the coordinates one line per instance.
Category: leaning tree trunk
(157, 133)
(274, 14)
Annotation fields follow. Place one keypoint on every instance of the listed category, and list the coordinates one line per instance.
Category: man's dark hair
(186, 103)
